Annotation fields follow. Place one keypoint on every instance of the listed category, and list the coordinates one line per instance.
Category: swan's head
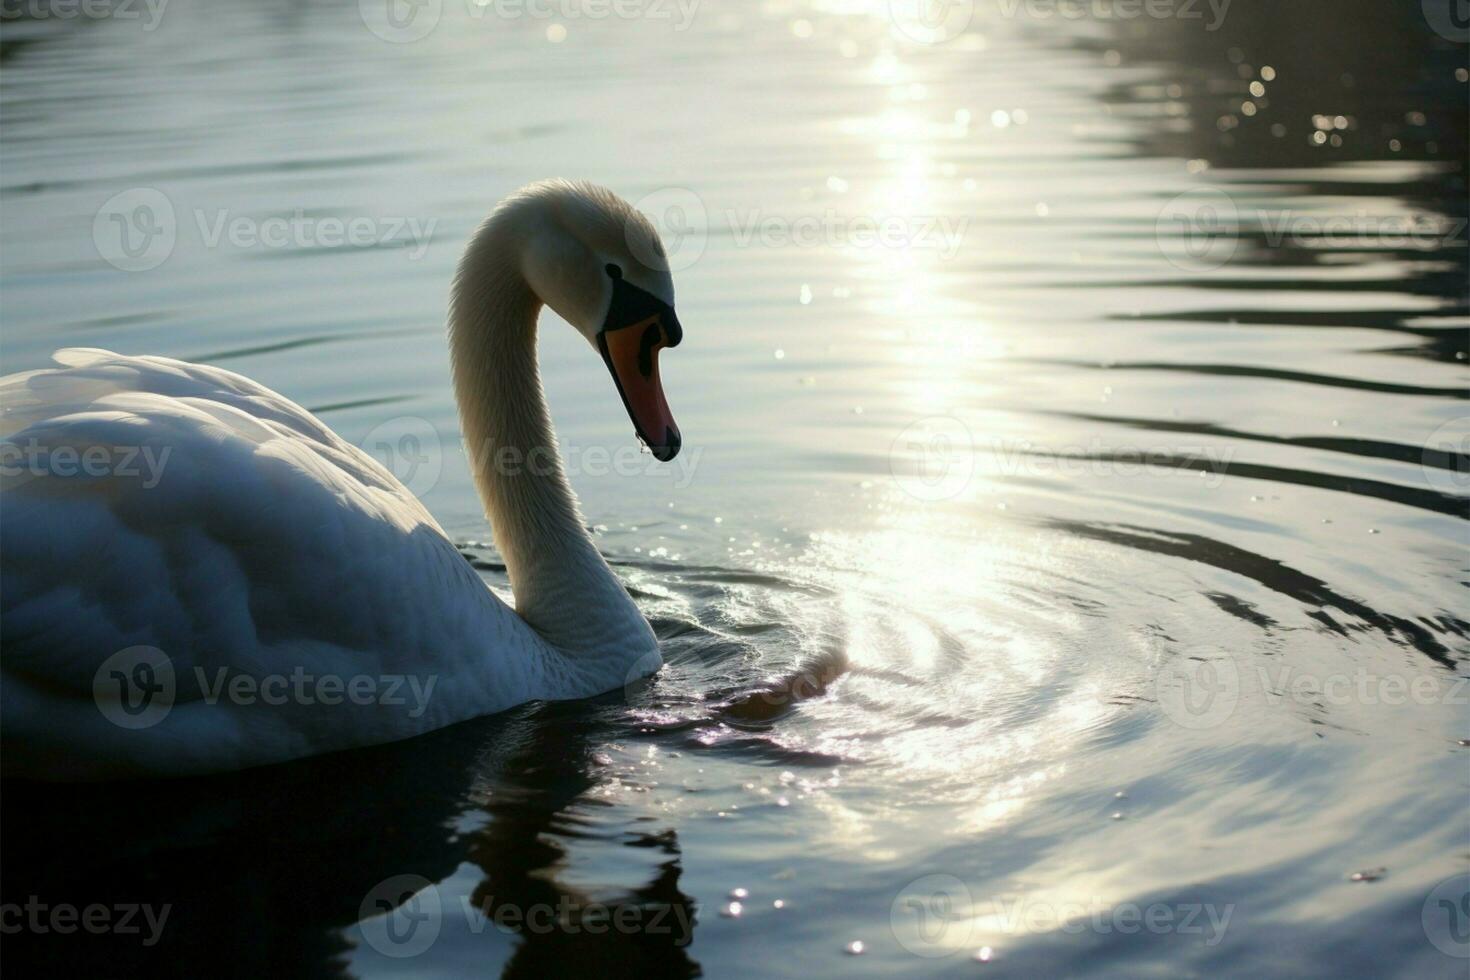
(599, 263)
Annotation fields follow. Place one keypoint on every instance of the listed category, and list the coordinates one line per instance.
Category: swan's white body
(228, 528)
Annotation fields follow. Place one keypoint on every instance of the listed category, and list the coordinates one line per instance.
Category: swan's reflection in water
(305, 846)
(547, 759)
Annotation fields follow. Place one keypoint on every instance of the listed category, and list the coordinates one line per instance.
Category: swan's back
(224, 525)
(98, 393)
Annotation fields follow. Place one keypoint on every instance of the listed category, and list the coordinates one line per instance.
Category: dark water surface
(1075, 577)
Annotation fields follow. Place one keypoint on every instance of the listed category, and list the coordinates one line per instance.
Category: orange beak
(639, 325)
(631, 353)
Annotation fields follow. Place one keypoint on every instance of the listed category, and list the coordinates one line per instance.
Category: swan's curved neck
(563, 588)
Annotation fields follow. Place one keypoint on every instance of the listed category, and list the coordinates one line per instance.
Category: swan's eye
(614, 270)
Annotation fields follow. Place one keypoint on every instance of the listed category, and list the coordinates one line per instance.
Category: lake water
(1065, 571)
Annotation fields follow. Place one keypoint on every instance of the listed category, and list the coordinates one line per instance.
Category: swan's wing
(93, 381)
(148, 501)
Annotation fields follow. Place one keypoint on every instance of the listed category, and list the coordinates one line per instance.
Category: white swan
(195, 571)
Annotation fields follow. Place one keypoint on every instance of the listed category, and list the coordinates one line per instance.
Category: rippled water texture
(1067, 561)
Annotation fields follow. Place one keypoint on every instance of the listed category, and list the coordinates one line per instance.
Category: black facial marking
(632, 306)
(646, 344)
(614, 270)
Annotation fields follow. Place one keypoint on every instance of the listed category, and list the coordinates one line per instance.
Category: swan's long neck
(563, 588)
